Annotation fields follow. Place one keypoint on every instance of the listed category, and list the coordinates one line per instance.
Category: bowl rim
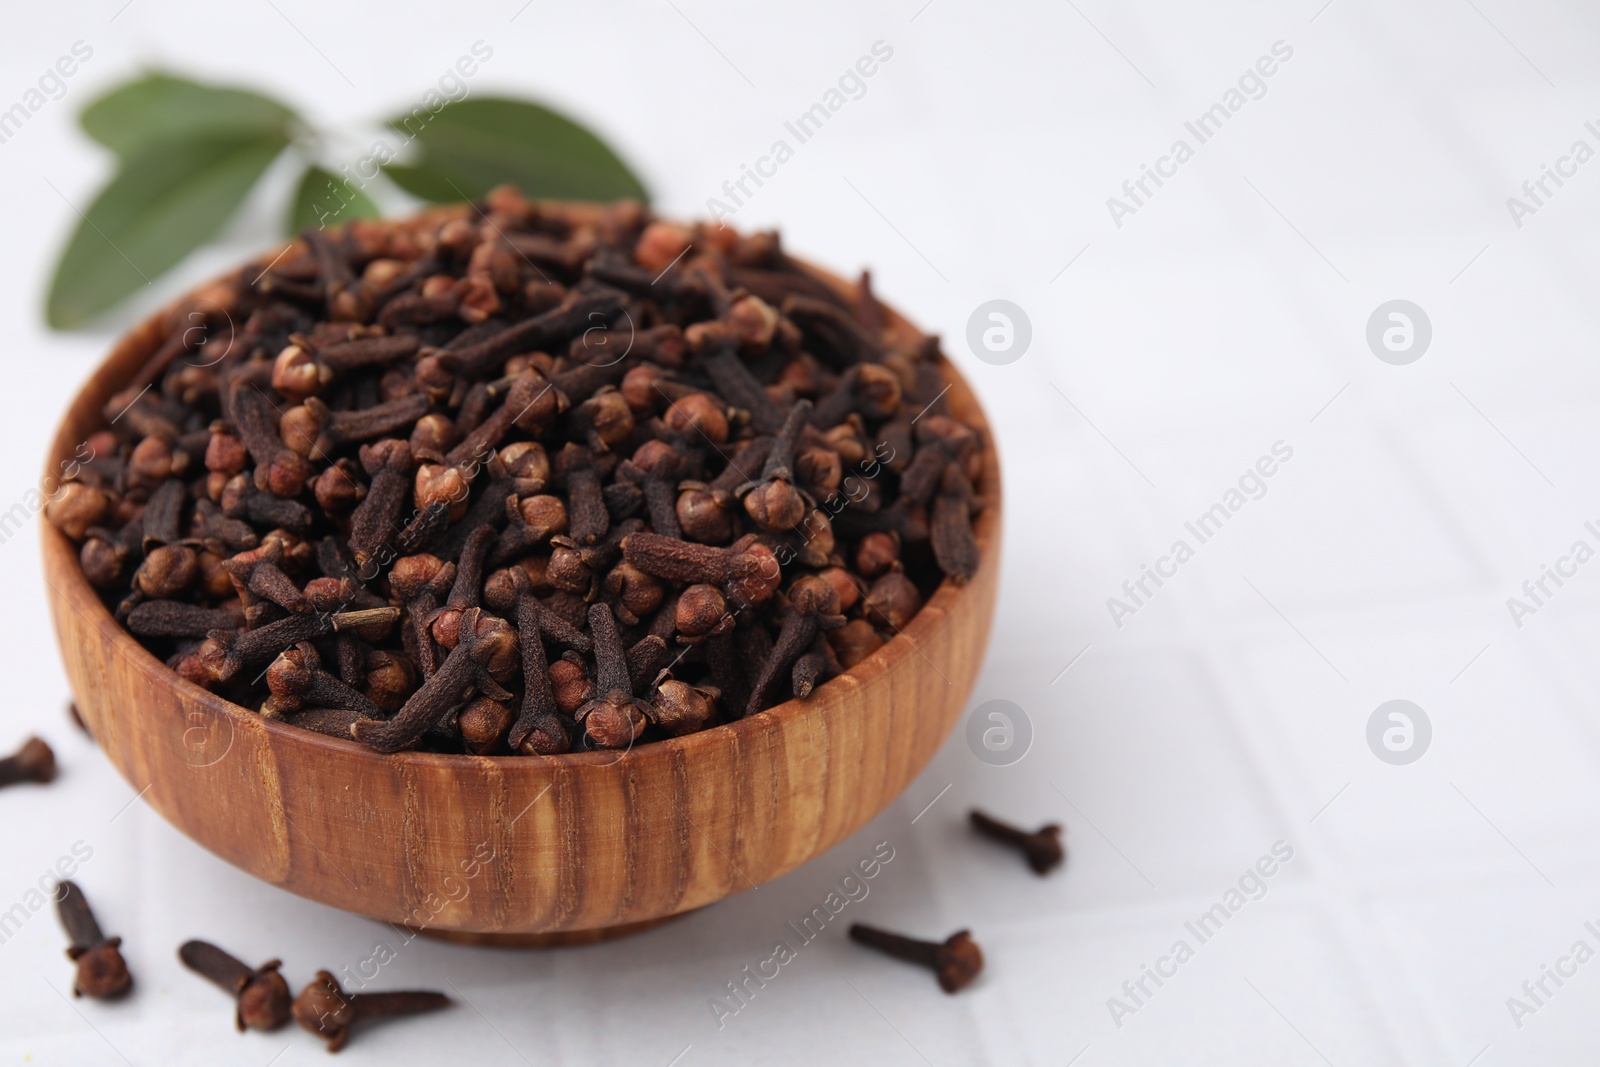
(927, 622)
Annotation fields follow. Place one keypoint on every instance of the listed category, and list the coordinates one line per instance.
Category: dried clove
(325, 1009)
(482, 642)
(588, 519)
(319, 431)
(101, 973)
(296, 679)
(279, 469)
(388, 463)
(614, 718)
(955, 961)
(1042, 848)
(950, 530)
(35, 761)
(679, 708)
(261, 996)
(747, 570)
(813, 608)
(773, 503)
(176, 618)
(541, 729)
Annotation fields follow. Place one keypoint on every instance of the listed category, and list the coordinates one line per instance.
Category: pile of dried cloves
(524, 477)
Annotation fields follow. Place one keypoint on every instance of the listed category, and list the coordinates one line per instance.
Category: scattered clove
(33, 762)
(325, 1009)
(101, 973)
(260, 993)
(955, 961)
(1042, 848)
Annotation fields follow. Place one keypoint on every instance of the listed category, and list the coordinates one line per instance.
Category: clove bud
(955, 961)
(1042, 847)
(325, 1009)
(33, 762)
(261, 995)
(102, 973)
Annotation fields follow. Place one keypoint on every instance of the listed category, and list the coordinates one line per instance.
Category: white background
(1228, 314)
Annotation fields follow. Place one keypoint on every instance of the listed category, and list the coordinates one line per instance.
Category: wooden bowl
(495, 849)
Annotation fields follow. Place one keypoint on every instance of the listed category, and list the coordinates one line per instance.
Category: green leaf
(430, 183)
(469, 147)
(324, 199)
(161, 107)
(162, 204)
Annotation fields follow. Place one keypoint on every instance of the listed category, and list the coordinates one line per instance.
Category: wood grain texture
(519, 845)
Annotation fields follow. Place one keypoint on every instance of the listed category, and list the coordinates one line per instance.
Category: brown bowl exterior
(519, 845)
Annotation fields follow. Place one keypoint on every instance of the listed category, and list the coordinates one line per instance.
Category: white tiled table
(1229, 313)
